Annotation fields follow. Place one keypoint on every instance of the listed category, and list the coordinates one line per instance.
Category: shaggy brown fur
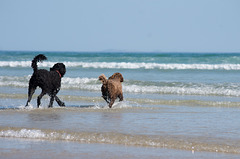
(48, 81)
(112, 88)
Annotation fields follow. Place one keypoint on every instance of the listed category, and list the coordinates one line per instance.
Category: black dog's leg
(31, 91)
(51, 101)
(60, 103)
(39, 98)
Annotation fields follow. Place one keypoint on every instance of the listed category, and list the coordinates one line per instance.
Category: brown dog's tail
(36, 59)
(117, 75)
(103, 79)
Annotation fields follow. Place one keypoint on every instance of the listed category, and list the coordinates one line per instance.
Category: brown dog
(112, 88)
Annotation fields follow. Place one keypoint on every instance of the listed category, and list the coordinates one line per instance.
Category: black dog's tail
(36, 59)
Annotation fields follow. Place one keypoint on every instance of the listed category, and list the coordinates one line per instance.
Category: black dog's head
(59, 67)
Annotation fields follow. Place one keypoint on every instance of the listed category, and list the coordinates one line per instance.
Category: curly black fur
(48, 81)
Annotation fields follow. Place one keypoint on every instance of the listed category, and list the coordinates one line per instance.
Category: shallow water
(179, 127)
(175, 105)
(39, 149)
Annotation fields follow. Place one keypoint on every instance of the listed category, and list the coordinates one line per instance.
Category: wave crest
(119, 138)
(129, 86)
(127, 65)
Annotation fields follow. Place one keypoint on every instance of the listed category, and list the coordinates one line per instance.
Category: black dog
(48, 81)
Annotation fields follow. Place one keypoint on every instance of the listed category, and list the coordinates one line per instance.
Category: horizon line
(123, 51)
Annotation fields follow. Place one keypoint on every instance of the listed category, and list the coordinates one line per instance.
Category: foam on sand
(119, 138)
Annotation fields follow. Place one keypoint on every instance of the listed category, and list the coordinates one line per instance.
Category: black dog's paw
(62, 104)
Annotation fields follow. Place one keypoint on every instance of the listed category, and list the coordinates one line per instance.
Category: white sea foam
(34, 134)
(67, 83)
(92, 84)
(127, 65)
(23, 133)
(119, 138)
(14, 81)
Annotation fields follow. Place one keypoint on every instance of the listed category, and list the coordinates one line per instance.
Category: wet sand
(11, 148)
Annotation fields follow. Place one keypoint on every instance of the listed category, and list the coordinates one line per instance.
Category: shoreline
(11, 148)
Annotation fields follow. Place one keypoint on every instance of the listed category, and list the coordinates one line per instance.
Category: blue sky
(120, 25)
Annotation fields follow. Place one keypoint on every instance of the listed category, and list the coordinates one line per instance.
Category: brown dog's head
(117, 76)
(103, 79)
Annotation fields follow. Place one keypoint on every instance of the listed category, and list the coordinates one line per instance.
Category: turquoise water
(172, 73)
(186, 101)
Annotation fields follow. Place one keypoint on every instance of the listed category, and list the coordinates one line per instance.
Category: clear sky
(120, 25)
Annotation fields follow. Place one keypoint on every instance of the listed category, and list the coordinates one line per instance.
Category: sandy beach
(12, 148)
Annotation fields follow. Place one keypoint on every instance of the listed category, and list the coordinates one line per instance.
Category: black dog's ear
(59, 67)
(62, 69)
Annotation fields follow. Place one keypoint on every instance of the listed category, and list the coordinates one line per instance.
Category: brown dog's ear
(121, 79)
(103, 79)
(117, 76)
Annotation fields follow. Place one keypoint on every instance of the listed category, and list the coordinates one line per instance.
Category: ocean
(176, 105)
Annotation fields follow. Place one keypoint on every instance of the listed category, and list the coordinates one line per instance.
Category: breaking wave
(127, 65)
(130, 86)
(123, 139)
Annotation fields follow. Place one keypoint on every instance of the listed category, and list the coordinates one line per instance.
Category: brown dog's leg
(120, 97)
(111, 102)
(106, 99)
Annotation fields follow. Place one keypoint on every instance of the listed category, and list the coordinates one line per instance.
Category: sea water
(181, 101)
